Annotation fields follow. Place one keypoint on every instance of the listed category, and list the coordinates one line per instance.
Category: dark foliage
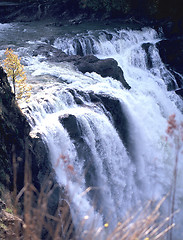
(151, 9)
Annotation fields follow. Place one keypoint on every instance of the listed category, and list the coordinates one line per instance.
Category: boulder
(72, 125)
(70, 122)
(49, 52)
(146, 47)
(105, 67)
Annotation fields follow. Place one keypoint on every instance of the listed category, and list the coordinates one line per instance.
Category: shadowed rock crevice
(84, 153)
(171, 53)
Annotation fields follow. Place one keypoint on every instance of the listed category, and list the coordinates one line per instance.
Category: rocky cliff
(13, 130)
(14, 138)
(17, 147)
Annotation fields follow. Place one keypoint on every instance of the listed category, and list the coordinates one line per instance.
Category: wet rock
(72, 125)
(147, 48)
(171, 28)
(120, 121)
(171, 53)
(108, 104)
(15, 139)
(180, 92)
(77, 96)
(49, 52)
(105, 67)
(70, 122)
(89, 63)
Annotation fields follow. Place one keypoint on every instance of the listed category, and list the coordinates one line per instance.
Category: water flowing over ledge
(99, 134)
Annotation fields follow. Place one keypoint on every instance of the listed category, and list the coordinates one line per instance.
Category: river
(127, 167)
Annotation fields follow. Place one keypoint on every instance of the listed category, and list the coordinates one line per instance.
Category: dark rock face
(72, 125)
(16, 143)
(120, 121)
(171, 28)
(166, 76)
(13, 128)
(146, 47)
(111, 105)
(171, 53)
(180, 92)
(69, 122)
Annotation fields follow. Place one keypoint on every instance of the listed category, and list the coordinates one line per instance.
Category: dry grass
(144, 224)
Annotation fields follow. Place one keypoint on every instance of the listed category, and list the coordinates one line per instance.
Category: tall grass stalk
(146, 223)
(175, 132)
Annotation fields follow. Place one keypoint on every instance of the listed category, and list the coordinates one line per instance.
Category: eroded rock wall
(17, 144)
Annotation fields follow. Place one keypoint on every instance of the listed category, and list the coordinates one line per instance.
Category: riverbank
(59, 12)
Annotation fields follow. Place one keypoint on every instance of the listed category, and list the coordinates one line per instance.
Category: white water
(4, 26)
(147, 104)
(123, 178)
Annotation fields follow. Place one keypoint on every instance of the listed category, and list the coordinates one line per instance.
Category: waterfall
(125, 163)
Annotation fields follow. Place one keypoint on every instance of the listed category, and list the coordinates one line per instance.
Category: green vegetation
(142, 9)
(111, 7)
(156, 9)
(3, 226)
(9, 210)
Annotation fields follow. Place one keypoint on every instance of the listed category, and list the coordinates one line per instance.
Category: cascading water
(87, 147)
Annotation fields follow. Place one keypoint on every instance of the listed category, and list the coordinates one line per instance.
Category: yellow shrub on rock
(15, 72)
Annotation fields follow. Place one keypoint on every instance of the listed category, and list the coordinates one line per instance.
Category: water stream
(86, 148)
